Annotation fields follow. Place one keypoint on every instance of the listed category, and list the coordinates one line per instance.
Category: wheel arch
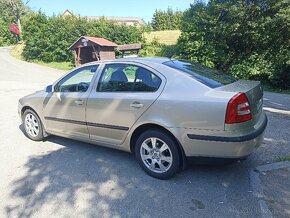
(144, 127)
(24, 108)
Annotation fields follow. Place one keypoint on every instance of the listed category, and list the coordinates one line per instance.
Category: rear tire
(157, 154)
(32, 125)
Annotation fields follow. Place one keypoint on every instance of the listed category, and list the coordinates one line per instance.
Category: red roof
(101, 41)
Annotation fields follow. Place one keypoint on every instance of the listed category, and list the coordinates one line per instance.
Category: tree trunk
(19, 27)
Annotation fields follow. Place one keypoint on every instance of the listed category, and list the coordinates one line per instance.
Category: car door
(123, 93)
(65, 108)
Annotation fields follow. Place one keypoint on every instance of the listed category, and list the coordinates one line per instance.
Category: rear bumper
(221, 146)
(243, 138)
(213, 160)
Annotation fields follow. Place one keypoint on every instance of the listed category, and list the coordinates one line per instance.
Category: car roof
(158, 60)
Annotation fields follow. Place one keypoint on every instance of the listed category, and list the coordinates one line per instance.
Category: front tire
(157, 153)
(32, 125)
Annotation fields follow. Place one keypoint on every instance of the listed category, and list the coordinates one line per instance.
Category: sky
(132, 8)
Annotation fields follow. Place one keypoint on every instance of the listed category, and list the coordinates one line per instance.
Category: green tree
(166, 20)
(6, 37)
(11, 11)
(249, 39)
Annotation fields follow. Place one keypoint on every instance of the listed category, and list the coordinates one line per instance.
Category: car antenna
(170, 58)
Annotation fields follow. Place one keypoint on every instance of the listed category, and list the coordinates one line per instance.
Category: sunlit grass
(57, 65)
(17, 50)
(167, 37)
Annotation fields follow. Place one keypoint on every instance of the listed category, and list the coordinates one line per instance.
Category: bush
(253, 68)
(249, 39)
(6, 37)
(157, 49)
(48, 38)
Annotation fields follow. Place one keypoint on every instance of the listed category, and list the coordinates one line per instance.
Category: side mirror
(48, 89)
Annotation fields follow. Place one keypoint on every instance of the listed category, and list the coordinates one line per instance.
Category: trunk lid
(253, 91)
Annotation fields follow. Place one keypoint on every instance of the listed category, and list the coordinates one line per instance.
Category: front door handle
(79, 102)
(136, 105)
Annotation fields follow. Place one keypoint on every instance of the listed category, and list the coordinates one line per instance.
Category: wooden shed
(87, 49)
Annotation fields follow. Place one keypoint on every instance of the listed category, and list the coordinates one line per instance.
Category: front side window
(77, 81)
(127, 78)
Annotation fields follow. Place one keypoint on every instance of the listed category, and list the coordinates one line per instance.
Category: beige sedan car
(163, 110)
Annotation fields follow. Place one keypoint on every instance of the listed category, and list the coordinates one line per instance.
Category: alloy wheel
(156, 155)
(31, 125)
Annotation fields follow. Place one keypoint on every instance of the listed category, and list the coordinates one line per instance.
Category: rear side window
(206, 76)
(127, 78)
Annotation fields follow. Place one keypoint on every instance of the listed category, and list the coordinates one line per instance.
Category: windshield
(209, 77)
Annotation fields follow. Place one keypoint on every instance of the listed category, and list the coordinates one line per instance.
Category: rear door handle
(79, 102)
(136, 105)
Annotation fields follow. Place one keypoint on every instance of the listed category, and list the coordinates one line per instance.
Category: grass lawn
(57, 65)
(17, 53)
(167, 37)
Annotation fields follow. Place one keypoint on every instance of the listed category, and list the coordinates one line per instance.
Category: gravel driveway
(66, 178)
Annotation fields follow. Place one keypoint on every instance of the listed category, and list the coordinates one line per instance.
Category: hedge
(48, 38)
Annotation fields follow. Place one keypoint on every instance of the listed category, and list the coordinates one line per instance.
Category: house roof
(118, 19)
(99, 41)
(135, 20)
(67, 12)
(129, 47)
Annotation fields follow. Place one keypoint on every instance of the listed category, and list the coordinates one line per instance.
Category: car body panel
(254, 93)
(225, 144)
(114, 113)
(65, 114)
(111, 114)
(34, 101)
(182, 105)
(188, 108)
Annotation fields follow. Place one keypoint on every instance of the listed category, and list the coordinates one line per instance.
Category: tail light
(238, 109)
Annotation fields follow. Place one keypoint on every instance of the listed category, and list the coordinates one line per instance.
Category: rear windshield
(209, 77)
